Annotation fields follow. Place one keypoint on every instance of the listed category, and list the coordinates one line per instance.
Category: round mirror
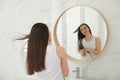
(70, 20)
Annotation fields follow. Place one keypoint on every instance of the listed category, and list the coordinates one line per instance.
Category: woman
(91, 44)
(48, 61)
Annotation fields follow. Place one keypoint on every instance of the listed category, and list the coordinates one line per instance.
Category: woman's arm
(98, 47)
(62, 55)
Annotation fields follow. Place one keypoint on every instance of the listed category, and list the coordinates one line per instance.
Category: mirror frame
(56, 39)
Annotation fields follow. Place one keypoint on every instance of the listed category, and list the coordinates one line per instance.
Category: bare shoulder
(60, 52)
(59, 48)
(97, 38)
(98, 41)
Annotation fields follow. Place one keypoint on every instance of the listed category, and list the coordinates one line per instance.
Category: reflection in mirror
(70, 20)
(89, 46)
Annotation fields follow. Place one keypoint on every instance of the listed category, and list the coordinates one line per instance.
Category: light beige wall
(17, 16)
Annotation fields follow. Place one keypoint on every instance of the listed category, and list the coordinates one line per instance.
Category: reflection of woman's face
(84, 29)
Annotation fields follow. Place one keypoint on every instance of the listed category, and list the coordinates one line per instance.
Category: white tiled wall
(17, 16)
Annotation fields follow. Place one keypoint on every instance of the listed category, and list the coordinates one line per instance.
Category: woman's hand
(87, 49)
(83, 52)
(97, 50)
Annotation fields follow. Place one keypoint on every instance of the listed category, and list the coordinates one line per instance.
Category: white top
(89, 44)
(53, 69)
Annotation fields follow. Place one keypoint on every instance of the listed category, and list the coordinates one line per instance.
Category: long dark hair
(37, 44)
(81, 36)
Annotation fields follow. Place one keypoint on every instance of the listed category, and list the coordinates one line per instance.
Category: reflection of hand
(87, 49)
(83, 52)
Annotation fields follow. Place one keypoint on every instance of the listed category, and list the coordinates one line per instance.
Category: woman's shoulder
(81, 39)
(60, 51)
(97, 38)
(59, 48)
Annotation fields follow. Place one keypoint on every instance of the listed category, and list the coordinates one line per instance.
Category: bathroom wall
(17, 17)
(106, 66)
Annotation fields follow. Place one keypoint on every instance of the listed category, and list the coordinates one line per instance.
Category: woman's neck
(88, 37)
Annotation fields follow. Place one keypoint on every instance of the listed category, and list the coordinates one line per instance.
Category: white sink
(73, 79)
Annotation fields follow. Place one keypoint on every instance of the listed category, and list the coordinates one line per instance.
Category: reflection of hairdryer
(89, 53)
(81, 47)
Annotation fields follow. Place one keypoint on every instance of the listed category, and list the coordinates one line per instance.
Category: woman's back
(43, 58)
(53, 69)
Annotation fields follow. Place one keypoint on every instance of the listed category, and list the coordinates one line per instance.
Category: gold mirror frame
(56, 39)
